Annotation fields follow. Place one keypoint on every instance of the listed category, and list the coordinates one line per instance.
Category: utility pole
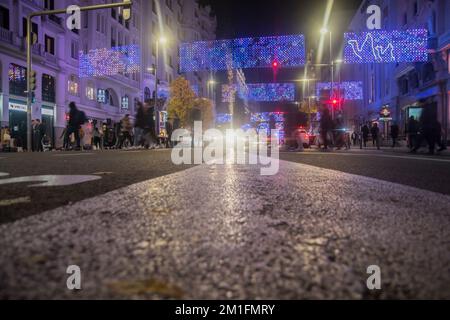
(125, 4)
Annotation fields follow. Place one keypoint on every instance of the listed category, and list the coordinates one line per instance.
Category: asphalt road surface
(145, 228)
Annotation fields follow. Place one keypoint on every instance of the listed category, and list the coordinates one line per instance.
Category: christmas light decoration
(260, 92)
(110, 62)
(350, 90)
(386, 46)
(223, 118)
(287, 51)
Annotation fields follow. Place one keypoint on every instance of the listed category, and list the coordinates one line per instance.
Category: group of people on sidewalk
(427, 129)
(40, 141)
(333, 132)
(126, 135)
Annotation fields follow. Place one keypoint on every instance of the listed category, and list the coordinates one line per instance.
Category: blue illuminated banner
(261, 92)
(350, 90)
(287, 51)
(386, 46)
(110, 62)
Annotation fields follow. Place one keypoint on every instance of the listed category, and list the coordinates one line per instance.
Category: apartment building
(403, 89)
(57, 51)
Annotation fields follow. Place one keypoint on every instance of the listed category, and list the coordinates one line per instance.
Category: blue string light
(288, 51)
(386, 46)
(352, 90)
(261, 92)
(110, 62)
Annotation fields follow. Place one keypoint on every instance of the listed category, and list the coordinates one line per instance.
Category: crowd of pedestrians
(126, 134)
(427, 131)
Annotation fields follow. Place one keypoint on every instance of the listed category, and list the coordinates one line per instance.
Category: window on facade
(403, 85)
(17, 79)
(154, 6)
(169, 4)
(428, 72)
(74, 50)
(90, 91)
(415, 8)
(72, 85)
(34, 27)
(49, 45)
(109, 98)
(49, 4)
(147, 94)
(4, 18)
(113, 37)
(113, 13)
(98, 27)
(48, 88)
(101, 95)
(85, 19)
(414, 80)
(125, 102)
(405, 18)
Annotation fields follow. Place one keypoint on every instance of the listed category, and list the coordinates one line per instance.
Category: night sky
(240, 18)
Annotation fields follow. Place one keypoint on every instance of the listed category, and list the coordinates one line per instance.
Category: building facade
(56, 59)
(403, 89)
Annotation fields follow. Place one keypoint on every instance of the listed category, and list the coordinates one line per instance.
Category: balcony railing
(37, 49)
(6, 36)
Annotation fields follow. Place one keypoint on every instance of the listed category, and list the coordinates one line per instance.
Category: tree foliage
(205, 106)
(182, 101)
(311, 107)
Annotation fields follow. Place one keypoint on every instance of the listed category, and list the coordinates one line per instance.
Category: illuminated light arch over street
(261, 92)
(110, 62)
(352, 90)
(260, 52)
(386, 46)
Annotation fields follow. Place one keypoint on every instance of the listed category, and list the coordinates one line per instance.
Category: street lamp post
(324, 31)
(124, 4)
(159, 40)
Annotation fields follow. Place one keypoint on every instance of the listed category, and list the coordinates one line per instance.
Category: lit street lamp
(324, 31)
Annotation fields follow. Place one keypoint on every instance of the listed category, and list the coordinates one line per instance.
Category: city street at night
(307, 233)
(217, 159)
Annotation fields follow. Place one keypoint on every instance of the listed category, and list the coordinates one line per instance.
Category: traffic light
(127, 11)
(32, 80)
(275, 65)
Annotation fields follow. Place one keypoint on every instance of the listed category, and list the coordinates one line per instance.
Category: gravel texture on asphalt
(225, 232)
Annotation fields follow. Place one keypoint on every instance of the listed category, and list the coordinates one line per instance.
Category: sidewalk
(399, 150)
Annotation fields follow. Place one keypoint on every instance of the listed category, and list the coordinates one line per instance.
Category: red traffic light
(334, 102)
(275, 64)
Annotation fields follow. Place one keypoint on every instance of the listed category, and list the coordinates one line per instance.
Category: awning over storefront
(428, 93)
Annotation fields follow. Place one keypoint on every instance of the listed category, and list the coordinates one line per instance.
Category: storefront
(18, 122)
(48, 120)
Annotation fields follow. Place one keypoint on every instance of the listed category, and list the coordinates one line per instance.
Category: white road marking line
(131, 151)
(73, 154)
(374, 155)
(10, 202)
(4, 174)
(51, 180)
